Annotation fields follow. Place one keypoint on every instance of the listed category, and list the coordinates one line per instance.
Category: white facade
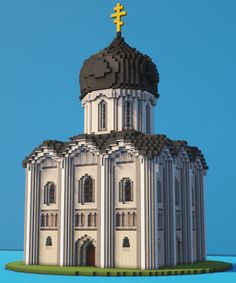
(141, 105)
(103, 199)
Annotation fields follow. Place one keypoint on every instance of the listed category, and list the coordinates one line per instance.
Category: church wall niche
(125, 170)
(79, 173)
(48, 254)
(126, 256)
(49, 220)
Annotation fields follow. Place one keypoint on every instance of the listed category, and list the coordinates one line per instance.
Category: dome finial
(117, 15)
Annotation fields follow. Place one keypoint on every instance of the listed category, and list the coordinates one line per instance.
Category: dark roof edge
(147, 144)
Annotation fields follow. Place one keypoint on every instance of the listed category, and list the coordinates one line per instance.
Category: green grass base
(195, 268)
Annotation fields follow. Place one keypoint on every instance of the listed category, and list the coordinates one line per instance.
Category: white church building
(117, 195)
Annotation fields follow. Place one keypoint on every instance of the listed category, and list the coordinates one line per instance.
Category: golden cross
(118, 14)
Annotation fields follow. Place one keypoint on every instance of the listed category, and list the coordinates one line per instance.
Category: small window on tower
(102, 109)
(128, 115)
(177, 192)
(148, 118)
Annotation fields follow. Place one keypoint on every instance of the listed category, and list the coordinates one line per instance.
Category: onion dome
(119, 66)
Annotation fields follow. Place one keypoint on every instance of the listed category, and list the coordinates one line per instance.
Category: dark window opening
(125, 190)
(148, 118)
(88, 189)
(126, 243)
(102, 109)
(49, 241)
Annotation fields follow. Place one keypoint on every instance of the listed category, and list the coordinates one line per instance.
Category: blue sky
(42, 47)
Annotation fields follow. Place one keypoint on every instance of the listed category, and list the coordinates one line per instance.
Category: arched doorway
(85, 253)
(90, 255)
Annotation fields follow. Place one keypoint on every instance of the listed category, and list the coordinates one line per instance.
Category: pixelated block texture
(146, 144)
(119, 66)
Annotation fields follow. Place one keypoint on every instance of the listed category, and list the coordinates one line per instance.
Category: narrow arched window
(102, 115)
(126, 243)
(148, 118)
(86, 189)
(49, 241)
(76, 220)
(51, 197)
(177, 192)
(42, 220)
(128, 115)
(159, 191)
(89, 219)
(95, 219)
(50, 193)
(125, 190)
(193, 196)
(117, 219)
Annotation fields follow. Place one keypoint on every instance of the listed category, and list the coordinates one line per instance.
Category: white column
(67, 208)
(62, 219)
(143, 224)
(187, 213)
(85, 118)
(200, 217)
(27, 214)
(102, 227)
(169, 214)
(156, 171)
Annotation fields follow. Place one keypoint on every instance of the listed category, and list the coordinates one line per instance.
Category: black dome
(119, 66)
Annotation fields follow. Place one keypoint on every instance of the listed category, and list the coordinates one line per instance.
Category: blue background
(42, 47)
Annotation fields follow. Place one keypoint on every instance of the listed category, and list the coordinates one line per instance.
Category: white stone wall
(151, 246)
(48, 255)
(115, 100)
(125, 257)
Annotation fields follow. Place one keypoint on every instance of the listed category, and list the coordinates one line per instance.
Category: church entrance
(90, 255)
(85, 253)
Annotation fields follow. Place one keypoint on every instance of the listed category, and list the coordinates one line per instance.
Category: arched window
(76, 220)
(118, 219)
(193, 196)
(95, 219)
(102, 115)
(148, 118)
(51, 198)
(159, 191)
(49, 241)
(86, 189)
(42, 220)
(50, 193)
(126, 243)
(125, 190)
(89, 219)
(134, 219)
(128, 115)
(177, 192)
